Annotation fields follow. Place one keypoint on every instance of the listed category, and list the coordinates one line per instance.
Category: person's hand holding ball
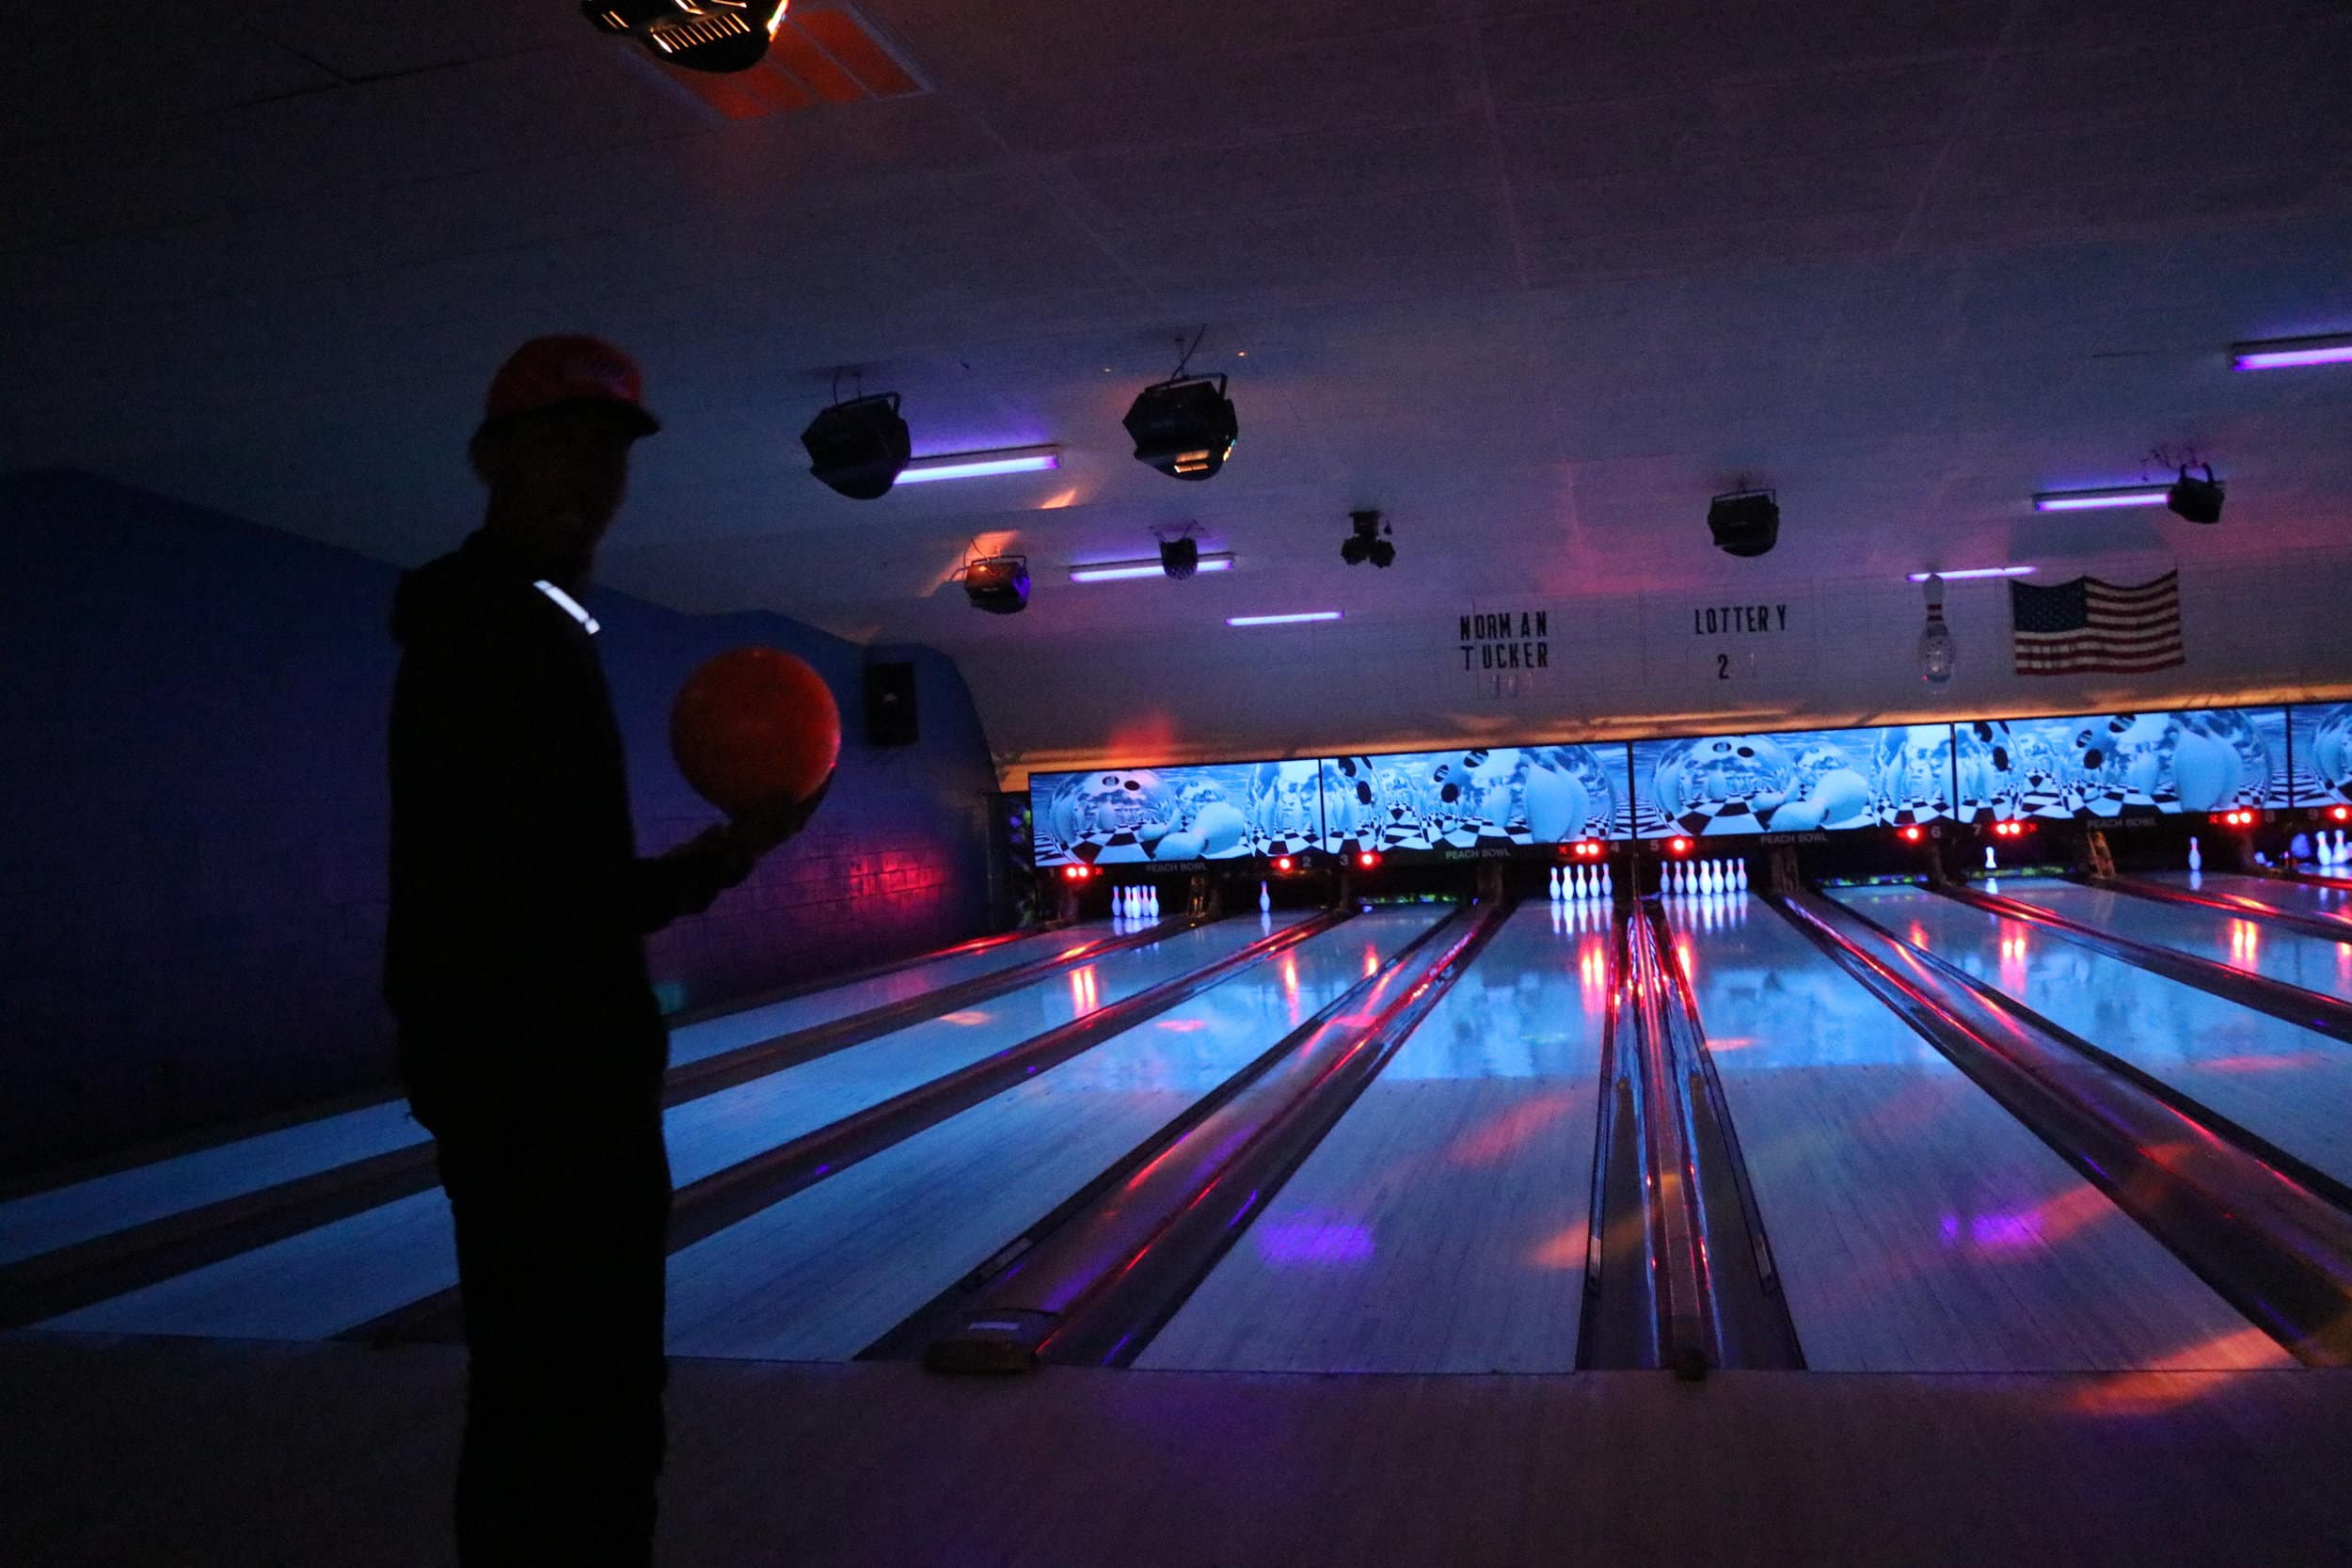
(757, 733)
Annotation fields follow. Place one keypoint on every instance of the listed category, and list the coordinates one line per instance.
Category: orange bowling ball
(753, 726)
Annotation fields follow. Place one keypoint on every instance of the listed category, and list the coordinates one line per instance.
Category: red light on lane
(2340, 813)
(1283, 863)
(1368, 860)
(1678, 846)
(1912, 833)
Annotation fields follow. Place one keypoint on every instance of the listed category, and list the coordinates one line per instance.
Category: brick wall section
(192, 714)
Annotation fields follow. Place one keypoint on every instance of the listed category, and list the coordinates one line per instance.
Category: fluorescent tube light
(980, 465)
(2278, 354)
(1115, 571)
(1973, 572)
(2093, 500)
(1281, 620)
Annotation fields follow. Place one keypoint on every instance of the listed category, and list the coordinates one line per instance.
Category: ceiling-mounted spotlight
(1179, 557)
(858, 446)
(2198, 500)
(700, 35)
(1365, 541)
(1744, 522)
(998, 584)
(1186, 428)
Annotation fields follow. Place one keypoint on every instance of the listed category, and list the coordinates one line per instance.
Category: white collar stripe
(570, 606)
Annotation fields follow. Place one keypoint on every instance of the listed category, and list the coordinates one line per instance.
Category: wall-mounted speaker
(890, 719)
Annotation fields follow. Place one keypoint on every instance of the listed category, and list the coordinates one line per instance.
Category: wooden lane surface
(831, 1269)
(2247, 944)
(2290, 1085)
(139, 1194)
(1441, 1226)
(1918, 1227)
(322, 1281)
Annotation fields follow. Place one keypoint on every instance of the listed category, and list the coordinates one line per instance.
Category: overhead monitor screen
(2101, 765)
(1166, 815)
(1794, 781)
(1467, 799)
(2322, 735)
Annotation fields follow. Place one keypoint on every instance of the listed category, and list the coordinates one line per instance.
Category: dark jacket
(514, 959)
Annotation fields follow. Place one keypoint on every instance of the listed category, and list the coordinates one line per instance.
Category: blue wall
(192, 715)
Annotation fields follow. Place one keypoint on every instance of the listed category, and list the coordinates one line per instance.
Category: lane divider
(2228, 903)
(1098, 1290)
(2270, 1236)
(703, 1207)
(51, 1283)
(2309, 1010)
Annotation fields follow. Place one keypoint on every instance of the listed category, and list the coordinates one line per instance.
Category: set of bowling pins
(1573, 885)
(2337, 853)
(1136, 903)
(1697, 879)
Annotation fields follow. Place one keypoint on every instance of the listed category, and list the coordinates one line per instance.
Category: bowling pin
(1264, 902)
(1744, 875)
(1714, 877)
(2343, 853)
(1552, 881)
(1990, 865)
(2196, 857)
(1152, 903)
(1608, 887)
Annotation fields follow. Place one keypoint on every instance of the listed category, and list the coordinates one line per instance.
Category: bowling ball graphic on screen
(2219, 758)
(1702, 777)
(1112, 816)
(2332, 751)
(1564, 794)
(1915, 764)
(1987, 753)
(1285, 797)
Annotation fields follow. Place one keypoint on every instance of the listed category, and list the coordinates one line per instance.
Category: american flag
(2101, 628)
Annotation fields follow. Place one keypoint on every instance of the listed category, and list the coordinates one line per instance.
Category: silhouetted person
(530, 1043)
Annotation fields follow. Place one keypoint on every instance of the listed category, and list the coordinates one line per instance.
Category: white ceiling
(1534, 279)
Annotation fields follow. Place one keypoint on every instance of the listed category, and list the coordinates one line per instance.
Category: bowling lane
(62, 1216)
(2269, 893)
(324, 1280)
(1440, 1227)
(2244, 944)
(2280, 1082)
(693, 1042)
(832, 1268)
(1918, 1225)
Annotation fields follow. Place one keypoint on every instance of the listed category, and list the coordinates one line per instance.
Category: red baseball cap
(569, 367)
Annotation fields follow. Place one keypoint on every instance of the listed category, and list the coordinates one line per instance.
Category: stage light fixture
(998, 584)
(1185, 427)
(701, 34)
(1179, 557)
(859, 448)
(1744, 522)
(2196, 501)
(1367, 541)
